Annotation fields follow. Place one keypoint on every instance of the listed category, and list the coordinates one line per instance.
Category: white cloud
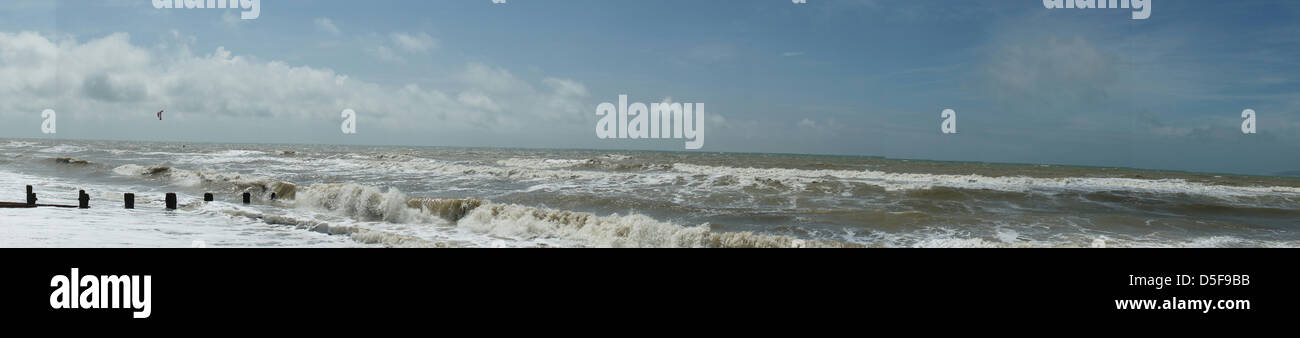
(827, 127)
(386, 54)
(403, 42)
(327, 25)
(109, 78)
(417, 43)
(558, 100)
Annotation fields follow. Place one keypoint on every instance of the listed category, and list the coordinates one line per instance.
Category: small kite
(160, 115)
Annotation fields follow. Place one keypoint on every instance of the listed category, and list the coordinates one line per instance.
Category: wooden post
(129, 198)
(247, 198)
(207, 197)
(83, 200)
(31, 197)
(171, 201)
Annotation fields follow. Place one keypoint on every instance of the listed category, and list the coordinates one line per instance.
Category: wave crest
(630, 231)
(70, 161)
(358, 201)
(233, 182)
(798, 179)
(359, 234)
(451, 209)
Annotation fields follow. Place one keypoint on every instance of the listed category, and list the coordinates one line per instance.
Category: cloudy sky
(856, 77)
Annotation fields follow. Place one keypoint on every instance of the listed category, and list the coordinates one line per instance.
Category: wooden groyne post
(83, 200)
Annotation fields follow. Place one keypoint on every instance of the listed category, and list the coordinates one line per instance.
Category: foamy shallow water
(109, 224)
(95, 228)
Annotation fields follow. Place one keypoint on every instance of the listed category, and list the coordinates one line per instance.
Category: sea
(437, 197)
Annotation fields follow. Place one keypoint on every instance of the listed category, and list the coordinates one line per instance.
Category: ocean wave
(451, 209)
(895, 227)
(225, 157)
(236, 153)
(71, 161)
(367, 203)
(538, 163)
(63, 149)
(445, 168)
(610, 162)
(360, 202)
(20, 144)
(356, 233)
(704, 180)
(599, 164)
(800, 178)
(232, 182)
(138, 170)
(364, 203)
(629, 231)
(947, 237)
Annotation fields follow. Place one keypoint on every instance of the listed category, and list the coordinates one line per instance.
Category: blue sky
(856, 77)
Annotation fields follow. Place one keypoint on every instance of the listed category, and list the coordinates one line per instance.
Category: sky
(852, 77)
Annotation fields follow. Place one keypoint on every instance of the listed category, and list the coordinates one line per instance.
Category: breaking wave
(363, 203)
(845, 183)
(508, 220)
(231, 182)
(604, 163)
(358, 234)
(897, 226)
(71, 161)
(800, 178)
(630, 231)
(63, 149)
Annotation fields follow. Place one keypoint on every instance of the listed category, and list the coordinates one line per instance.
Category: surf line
(667, 120)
